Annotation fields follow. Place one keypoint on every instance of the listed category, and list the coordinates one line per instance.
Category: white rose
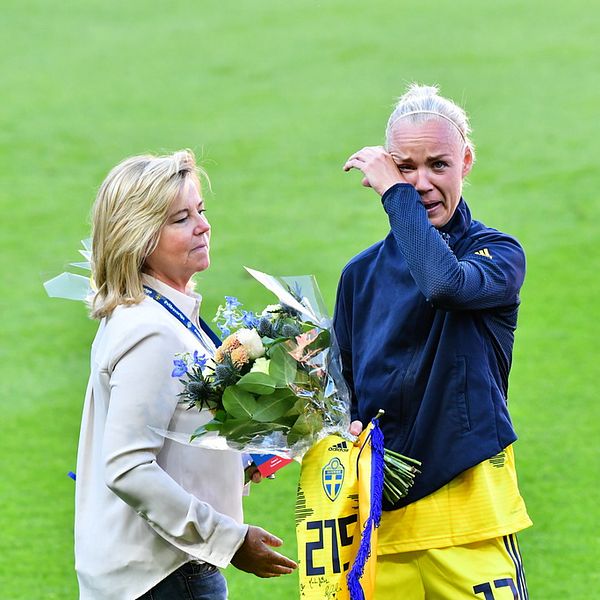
(251, 341)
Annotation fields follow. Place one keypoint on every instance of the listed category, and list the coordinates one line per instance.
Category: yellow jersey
(481, 503)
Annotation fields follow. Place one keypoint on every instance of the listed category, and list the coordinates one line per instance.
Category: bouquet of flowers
(275, 383)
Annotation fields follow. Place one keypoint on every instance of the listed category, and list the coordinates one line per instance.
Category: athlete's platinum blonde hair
(422, 102)
(130, 210)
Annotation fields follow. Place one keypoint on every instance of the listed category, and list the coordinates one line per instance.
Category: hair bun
(416, 90)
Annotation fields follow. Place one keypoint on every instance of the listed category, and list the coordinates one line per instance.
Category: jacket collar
(458, 225)
(189, 304)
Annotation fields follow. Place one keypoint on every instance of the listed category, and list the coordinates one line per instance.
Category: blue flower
(200, 361)
(225, 331)
(230, 318)
(180, 368)
(249, 320)
(232, 302)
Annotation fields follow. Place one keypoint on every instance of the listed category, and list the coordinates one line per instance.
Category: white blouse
(145, 505)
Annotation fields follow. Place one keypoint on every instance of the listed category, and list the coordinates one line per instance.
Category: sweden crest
(333, 478)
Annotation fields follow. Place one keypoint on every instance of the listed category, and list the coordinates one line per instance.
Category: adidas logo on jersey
(341, 447)
(485, 252)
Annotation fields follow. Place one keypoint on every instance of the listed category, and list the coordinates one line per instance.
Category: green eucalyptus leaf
(285, 423)
(257, 383)
(293, 436)
(282, 367)
(308, 423)
(220, 415)
(199, 432)
(212, 426)
(274, 406)
(242, 431)
(238, 430)
(297, 408)
(239, 403)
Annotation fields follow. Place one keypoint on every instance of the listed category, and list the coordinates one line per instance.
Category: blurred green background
(274, 96)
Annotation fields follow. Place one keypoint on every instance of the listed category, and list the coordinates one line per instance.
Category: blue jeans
(191, 581)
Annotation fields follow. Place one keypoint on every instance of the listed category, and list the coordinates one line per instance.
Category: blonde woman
(154, 519)
(425, 320)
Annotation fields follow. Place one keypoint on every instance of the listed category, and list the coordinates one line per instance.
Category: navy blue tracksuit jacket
(425, 320)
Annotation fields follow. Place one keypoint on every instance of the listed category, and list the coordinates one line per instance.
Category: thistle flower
(264, 328)
(198, 391)
(225, 373)
(290, 330)
(288, 310)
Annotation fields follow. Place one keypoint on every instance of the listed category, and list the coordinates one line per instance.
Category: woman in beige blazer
(154, 519)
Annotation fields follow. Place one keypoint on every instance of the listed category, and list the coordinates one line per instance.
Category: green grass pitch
(274, 96)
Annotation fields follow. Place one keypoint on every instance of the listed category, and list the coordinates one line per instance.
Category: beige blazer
(145, 505)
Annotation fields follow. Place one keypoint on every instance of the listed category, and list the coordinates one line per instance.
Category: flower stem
(399, 475)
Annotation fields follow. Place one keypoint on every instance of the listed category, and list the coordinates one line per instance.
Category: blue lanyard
(182, 318)
(168, 305)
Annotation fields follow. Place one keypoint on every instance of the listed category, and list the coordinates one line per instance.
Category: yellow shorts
(487, 570)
